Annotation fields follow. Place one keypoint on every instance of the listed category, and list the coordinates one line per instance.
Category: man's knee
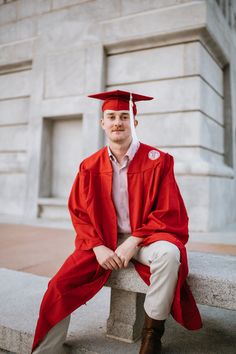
(167, 253)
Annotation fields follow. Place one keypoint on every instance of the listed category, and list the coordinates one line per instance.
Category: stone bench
(212, 279)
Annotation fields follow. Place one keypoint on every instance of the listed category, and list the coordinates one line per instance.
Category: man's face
(116, 125)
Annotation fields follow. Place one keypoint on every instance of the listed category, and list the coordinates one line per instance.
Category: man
(125, 206)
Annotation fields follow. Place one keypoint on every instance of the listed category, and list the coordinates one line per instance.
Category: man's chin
(117, 139)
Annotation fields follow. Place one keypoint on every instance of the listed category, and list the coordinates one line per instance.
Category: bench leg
(126, 317)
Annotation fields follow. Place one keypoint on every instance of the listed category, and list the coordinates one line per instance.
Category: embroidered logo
(153, 155)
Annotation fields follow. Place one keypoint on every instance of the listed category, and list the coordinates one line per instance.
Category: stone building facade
(53, 53)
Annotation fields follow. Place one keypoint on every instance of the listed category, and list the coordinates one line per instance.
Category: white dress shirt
(120, 187)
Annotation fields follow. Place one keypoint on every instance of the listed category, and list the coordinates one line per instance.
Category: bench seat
(212, 279)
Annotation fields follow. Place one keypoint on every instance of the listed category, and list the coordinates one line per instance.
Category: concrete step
(21, 294)
(53, 209)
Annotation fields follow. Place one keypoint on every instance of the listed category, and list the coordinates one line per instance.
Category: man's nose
(118, 121)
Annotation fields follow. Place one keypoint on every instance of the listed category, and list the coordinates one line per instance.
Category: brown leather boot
(152, 332)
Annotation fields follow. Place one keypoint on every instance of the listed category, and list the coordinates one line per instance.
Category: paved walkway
(32, 249)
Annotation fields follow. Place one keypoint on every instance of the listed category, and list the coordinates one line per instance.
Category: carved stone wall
(53, 53)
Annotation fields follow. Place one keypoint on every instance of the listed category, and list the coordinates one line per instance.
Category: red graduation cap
(119, 100)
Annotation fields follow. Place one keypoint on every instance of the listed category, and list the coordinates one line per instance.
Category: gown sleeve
(168, 216)
(86, 234)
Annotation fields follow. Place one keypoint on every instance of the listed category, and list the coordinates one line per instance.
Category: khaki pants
(164, 260)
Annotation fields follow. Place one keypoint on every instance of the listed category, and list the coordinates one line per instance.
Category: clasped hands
(113, 260)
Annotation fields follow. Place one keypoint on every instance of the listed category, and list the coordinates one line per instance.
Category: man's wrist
(137, 240)
(96, 247)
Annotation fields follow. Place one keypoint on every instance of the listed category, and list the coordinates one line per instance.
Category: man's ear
(102, 122)
(135, 123)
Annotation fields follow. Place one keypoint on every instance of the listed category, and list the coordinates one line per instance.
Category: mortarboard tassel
(131, 113)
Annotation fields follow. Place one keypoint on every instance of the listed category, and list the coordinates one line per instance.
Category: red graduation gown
(157, 212)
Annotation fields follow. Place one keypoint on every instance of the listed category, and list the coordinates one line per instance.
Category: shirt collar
(130, 152)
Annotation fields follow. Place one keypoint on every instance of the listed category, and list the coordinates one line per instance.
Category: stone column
(126, 315)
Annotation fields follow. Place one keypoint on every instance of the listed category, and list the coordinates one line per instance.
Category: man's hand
(107, 258)
(128, 249)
